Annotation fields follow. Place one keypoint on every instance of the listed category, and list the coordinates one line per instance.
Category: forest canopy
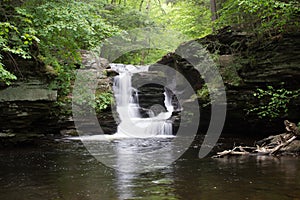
(60, 28)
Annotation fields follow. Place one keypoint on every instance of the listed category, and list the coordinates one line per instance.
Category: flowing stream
(143, 131)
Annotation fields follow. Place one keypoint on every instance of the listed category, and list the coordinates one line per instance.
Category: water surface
(66, 170)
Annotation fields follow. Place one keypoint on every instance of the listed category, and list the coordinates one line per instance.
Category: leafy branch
(276, 101)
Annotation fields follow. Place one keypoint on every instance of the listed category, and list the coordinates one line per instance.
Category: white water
(132, 124)
(127, 102)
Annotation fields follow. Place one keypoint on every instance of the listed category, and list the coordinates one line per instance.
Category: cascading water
(127, 103)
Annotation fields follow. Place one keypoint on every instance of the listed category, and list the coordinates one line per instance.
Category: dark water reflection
(67, 171)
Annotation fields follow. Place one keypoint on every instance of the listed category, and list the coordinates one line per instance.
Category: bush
(17, 36)
(276, 102)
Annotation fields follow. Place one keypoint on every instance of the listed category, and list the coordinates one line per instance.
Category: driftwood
(268, 146)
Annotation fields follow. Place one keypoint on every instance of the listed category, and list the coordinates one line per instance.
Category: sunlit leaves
(67, 26)
(16, 36)
(260, 16)
(192, 18)
(275, 101)
(5, 76)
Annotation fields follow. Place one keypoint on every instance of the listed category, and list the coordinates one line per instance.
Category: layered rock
(246, 64)
(27, 106)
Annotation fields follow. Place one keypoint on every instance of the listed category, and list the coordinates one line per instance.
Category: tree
(213, 7)
(261, 16)
(191, 17)
(17, 36)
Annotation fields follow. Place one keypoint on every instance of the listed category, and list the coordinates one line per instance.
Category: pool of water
(66, 170)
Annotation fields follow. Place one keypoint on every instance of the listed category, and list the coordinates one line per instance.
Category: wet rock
(7, 135)
(292, 147)
(111, 72)
(184, 67)
(26, 107)
(32, 90)
(69, 132)
(28, 116)
(150, 95)
(93, 61)
(104, 78)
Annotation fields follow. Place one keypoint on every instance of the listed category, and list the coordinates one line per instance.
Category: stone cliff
(246, 64)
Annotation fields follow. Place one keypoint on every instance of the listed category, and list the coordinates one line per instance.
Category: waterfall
(127, 104)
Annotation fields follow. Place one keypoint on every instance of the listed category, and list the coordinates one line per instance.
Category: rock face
(26, 106)
(98, 66)
(32, 90)
(246, 64)
(151, 91)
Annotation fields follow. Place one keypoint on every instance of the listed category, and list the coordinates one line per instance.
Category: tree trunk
(213, 8)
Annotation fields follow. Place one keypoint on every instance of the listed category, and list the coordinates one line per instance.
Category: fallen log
(277, 148)
(235, 151)
(268, 146)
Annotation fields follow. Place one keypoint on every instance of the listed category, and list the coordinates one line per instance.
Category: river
(66, 170)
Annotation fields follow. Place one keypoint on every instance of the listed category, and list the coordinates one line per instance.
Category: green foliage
(126, 17)
(65, 27)
(16, 36)
(103, 101)
(99, 102)
(203, 93)
(276, 101)
(190, 17)
(141, 57)
(65, 75)
(62, 28)
(260, 16)
(16, 40)
(5, 76)
(87, 98)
